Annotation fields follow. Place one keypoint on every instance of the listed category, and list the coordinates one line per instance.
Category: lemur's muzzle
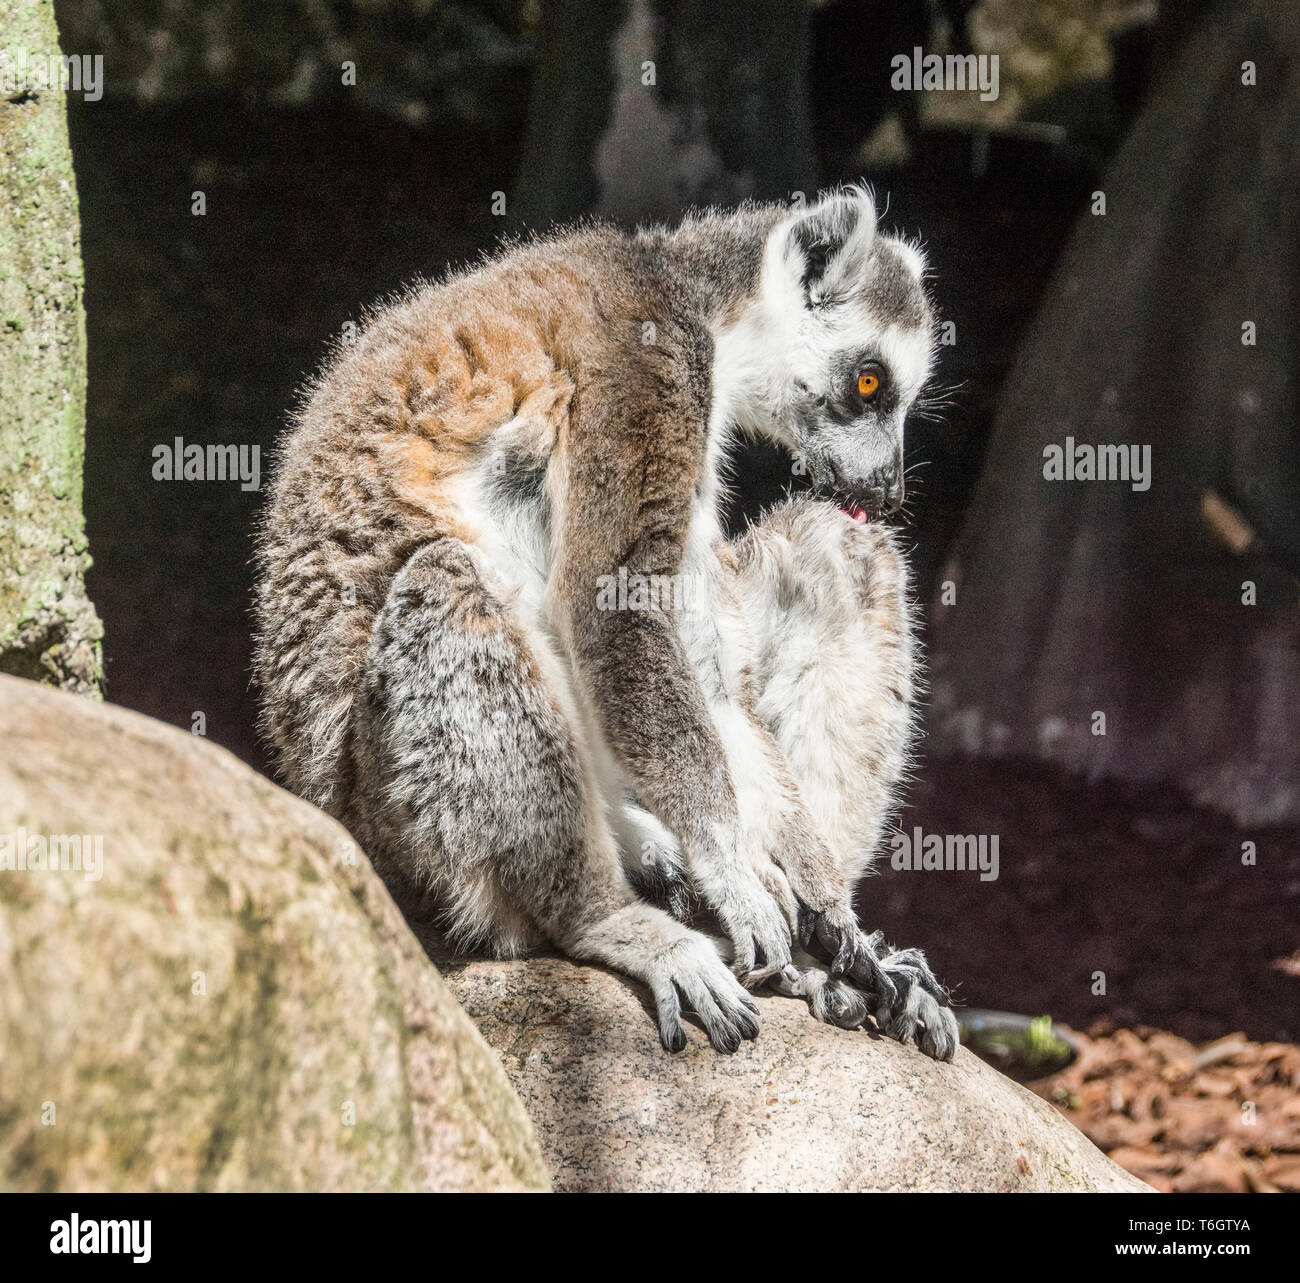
(879, 494)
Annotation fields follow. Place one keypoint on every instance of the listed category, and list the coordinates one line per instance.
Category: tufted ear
(828, 245)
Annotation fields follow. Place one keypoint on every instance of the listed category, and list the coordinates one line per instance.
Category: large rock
(803, 1107)
(231, 1005)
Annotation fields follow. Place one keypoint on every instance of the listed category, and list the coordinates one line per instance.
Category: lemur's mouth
(857, 500)
(859, 508)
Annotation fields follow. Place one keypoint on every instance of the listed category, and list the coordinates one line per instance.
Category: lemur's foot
(660, 878)
(905, 998)
(654, 864)
(831, 1000)
(921, 1008)
(834, 938)
(691, 971)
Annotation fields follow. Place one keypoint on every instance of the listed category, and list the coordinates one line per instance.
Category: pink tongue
(852, 510)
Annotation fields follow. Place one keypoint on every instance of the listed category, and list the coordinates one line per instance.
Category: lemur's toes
(922, 1009)
(834, 938)
(673, 1036)
(760, 938)
(841, 1005)
(917, 966)
(940, 1037)
(727, 1022)
(897, 986)
(689, 974)
(867, 972)
(830, 936)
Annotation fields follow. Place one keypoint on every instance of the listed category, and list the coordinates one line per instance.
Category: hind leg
(470, 782)
(653, 861)
(827, 602)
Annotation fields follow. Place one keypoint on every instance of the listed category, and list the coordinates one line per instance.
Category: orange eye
(868, 384)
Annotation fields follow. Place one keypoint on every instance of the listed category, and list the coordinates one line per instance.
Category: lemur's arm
(822, 912)
(633, 458)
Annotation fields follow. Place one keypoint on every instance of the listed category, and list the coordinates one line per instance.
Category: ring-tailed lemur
(454, 665)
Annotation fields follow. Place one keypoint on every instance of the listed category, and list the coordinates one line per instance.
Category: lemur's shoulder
(451, 358)
(448, 356)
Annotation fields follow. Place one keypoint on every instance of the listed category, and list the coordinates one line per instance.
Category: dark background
(323, 199)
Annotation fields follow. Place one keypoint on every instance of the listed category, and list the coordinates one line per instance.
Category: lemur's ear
(829, 244)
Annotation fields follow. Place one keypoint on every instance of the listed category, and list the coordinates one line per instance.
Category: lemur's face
(836, 347)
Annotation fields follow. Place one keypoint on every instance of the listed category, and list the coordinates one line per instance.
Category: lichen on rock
(222, 996)
(48, 629)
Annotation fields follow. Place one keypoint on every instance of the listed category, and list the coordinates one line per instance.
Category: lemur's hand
(834, 938)
(759, 933)
(905, 998)
(919, 997)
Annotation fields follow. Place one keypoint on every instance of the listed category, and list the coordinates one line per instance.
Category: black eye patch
(846, 401)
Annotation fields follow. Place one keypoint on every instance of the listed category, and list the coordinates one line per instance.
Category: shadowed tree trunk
(1148, 628)
(643, 108)
(48, 628)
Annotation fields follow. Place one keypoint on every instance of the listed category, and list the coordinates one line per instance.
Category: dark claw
(886, 978)
(674, 1039)
(727, 1041)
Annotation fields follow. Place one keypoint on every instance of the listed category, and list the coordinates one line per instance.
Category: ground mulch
(1216, 1117)
(1199, 1014)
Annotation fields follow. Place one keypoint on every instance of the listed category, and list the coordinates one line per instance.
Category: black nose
(894, 494)
(879, 492)
(887, 484)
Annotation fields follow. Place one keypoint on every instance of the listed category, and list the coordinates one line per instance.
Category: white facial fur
(833, 293)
